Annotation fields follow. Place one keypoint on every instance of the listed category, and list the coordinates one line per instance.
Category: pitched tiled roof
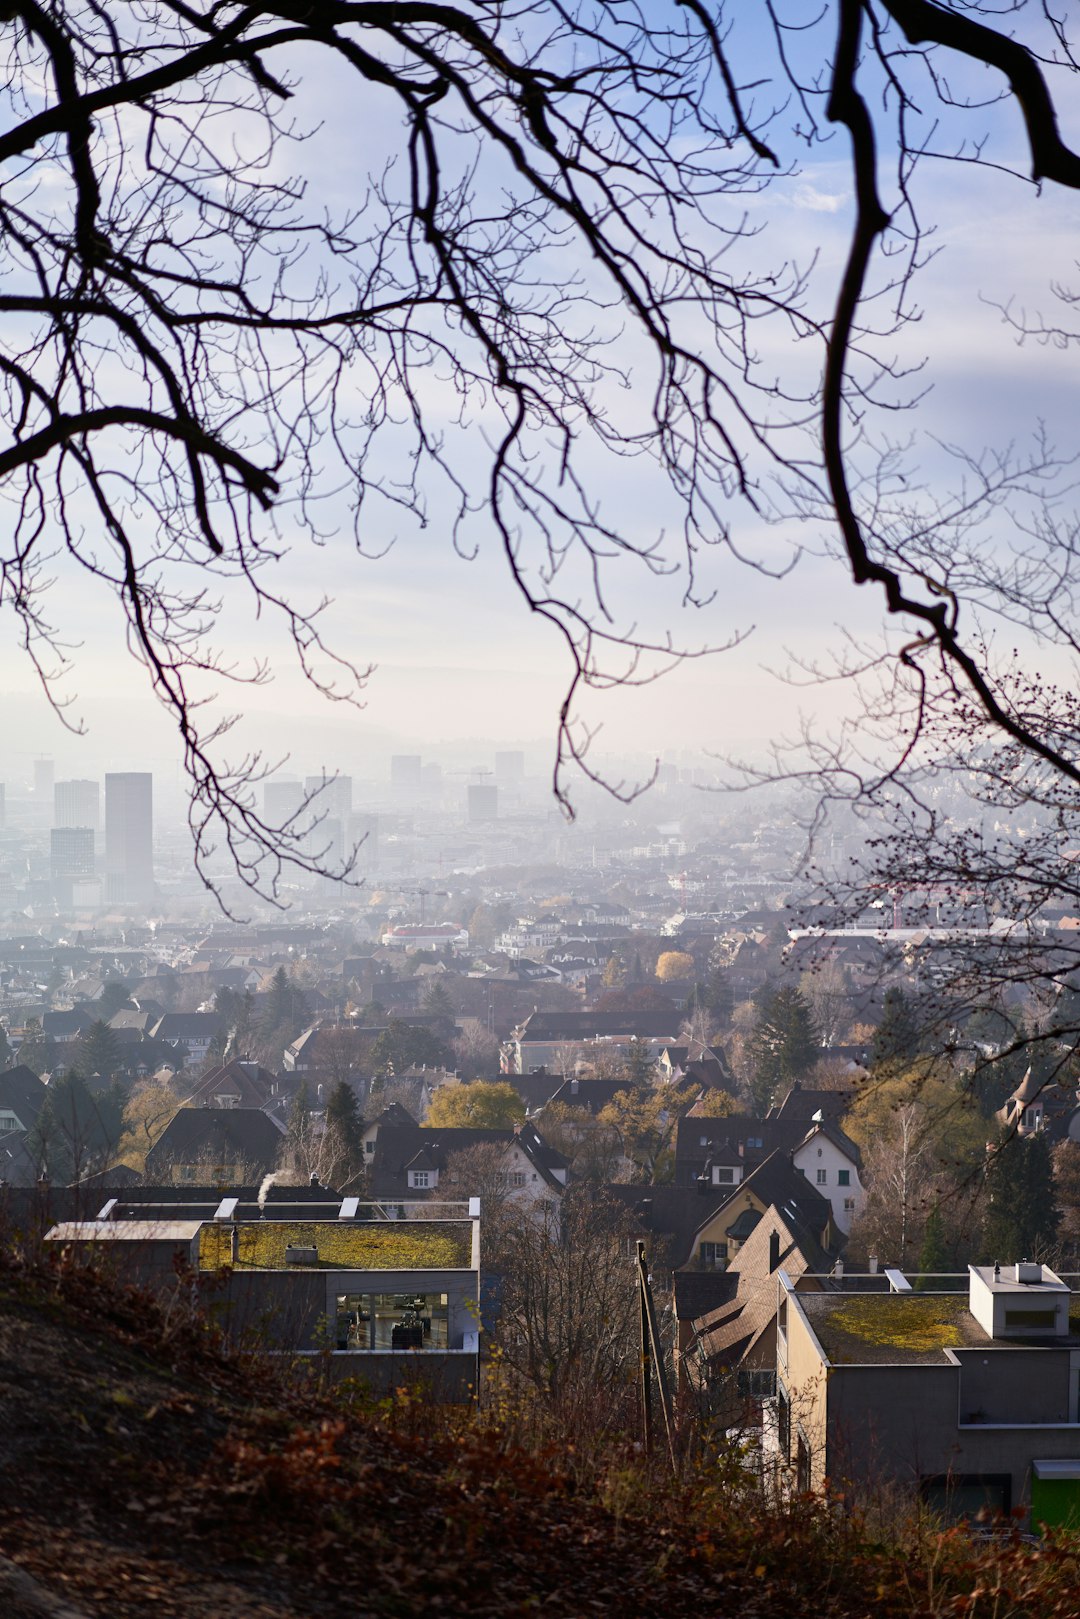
(243, 1135)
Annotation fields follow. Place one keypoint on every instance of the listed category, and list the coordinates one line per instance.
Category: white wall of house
(825, 1166)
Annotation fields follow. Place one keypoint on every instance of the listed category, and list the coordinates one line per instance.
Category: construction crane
(397, 888)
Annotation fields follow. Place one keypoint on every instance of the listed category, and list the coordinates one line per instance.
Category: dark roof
(745, 1222)
(393, 1113)
(584, 1025)
(242, 1135)
(247, 1081)
(534, 1088)
(669, 1213)
(400, 1148)
(187, 1026)
(55, 1024)
(23, 1092)
(593, 1094)
(546, 1158)
(699, 1291)
(777, 1183)
(800, 1104)
(397, 1145)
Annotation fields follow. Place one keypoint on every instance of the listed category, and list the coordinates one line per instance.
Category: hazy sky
(456, 652)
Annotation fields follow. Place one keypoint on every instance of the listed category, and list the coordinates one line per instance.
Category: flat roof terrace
(862, 1329)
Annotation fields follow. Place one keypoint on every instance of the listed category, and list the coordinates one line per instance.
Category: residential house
(65, 1028)
(969, 1400)
(776, 1183)
(239, 1083)
(591, 1095)
(213, 1146)
(545, 1039)
(1036, 1106)
(832, 1161)
(22, 1096)
(391, 1115)
(736, 1333)
(417, 1161)
(191, 1034)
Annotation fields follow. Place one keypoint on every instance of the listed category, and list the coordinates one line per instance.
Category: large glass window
(392, 1321)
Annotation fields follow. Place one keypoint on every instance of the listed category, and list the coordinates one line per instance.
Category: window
(783, 1420)
(517, 1178)
(781, 1328)
(723, 1177)
(967, 1497)
(849, 1205)
(713, 1254)
(1030, 1318)
(822, 1176)
(8, 1121)
(392, 1321)
(419, 1179)
(843, 1177)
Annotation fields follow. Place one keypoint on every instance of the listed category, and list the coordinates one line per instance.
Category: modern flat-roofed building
(968, 1399)
(71, 852)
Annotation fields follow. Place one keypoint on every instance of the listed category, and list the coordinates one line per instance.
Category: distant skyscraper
(281, 800)
(77, 803)
(71, 861)
(483, 803)
(71, 851)
(129, 838)
(509, 769)
(364, 831)
(331, 796)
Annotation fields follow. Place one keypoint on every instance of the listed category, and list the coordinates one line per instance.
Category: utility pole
(646, 1355)
(652, 1351)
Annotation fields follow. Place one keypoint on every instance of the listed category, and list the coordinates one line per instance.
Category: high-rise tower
(129, 838)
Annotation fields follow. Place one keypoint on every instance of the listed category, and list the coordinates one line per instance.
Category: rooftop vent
(1027, 1271)
(295, 1255)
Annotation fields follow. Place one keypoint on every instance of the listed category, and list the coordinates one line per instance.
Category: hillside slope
(143, 1473)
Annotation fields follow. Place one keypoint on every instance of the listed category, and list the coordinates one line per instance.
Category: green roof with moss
(897, 1328)
(393, 1245)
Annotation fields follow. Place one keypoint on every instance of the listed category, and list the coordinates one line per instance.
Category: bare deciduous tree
(201, 351)
(570, 1308)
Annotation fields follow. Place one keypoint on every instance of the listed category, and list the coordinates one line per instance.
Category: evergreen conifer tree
(1021, 1218)
(897, 1037)
(783, 1046)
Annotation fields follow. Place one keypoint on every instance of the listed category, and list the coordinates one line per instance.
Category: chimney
(774, 1250)
(873, 1263)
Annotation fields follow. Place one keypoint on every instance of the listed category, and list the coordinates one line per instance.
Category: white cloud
(819, 202)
